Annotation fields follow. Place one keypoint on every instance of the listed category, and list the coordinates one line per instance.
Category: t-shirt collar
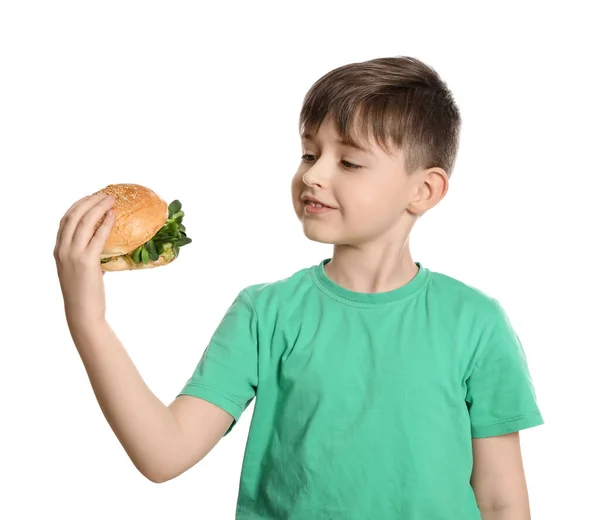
(369, 299)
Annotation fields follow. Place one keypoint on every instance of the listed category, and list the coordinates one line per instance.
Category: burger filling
(166, 243)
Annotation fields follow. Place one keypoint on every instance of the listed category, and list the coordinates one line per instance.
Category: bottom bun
(126, 263)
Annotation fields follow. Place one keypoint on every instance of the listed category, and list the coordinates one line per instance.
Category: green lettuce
(171, 237)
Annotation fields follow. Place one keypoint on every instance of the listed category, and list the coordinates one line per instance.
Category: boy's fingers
(96, 244)
(88, 224)
(71, 219)
(63, 220)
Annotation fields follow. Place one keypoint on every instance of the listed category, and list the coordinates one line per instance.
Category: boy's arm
(498, 478)
(162, 442)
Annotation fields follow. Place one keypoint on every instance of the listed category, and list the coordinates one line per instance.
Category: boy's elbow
(161, 474)
(154, 473)
(156, 478)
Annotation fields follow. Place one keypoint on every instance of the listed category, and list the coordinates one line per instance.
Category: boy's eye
(351, 166)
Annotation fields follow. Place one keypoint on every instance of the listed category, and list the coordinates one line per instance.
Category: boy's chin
(321, 234)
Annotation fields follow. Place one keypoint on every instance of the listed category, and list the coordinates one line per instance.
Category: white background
(200, 102)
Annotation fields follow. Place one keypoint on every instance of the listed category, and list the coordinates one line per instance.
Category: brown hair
(399, 100)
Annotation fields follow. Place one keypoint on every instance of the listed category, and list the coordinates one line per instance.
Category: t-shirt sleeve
(227, 373)
(500, 395)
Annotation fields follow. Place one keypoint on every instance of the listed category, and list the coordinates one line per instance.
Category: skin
(375, 209)
(498, 478)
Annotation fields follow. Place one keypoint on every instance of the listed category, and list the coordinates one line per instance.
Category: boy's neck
(371, 269)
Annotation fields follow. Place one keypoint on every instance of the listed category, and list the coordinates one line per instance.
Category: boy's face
(366, 203)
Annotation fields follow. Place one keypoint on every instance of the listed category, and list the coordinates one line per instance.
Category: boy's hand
(79, 244)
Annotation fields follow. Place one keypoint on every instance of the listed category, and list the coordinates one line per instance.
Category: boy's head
(379, 142)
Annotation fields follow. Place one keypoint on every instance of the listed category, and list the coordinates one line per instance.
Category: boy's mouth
(309, 200)
(316, 205)
(312, 207)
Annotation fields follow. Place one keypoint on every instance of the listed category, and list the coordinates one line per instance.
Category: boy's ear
(431, 187)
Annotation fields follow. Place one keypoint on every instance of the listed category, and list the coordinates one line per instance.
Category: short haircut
(399, 101)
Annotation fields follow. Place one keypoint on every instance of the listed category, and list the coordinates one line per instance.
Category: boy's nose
(316, 176)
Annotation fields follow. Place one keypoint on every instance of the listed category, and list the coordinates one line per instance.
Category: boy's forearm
(144, 426)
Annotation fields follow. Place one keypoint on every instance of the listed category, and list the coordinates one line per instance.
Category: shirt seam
(504, 421)
(245, 291)
(480, 349)
(207, 387)
(365, 305)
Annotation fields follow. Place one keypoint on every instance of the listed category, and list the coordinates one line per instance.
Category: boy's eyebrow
(309, 137)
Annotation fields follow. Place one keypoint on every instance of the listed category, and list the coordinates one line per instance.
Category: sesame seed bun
(139, 215)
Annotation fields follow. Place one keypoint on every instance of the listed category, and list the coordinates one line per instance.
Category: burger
(147, 232)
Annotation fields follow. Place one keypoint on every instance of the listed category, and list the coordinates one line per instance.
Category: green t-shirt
(366, 404)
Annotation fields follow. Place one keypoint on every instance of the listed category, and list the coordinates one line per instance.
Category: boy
(383, 390)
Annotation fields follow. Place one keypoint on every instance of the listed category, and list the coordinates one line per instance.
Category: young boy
(383, 390)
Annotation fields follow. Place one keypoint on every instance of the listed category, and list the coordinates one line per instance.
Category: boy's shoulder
(282, 289)
(452, 290)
